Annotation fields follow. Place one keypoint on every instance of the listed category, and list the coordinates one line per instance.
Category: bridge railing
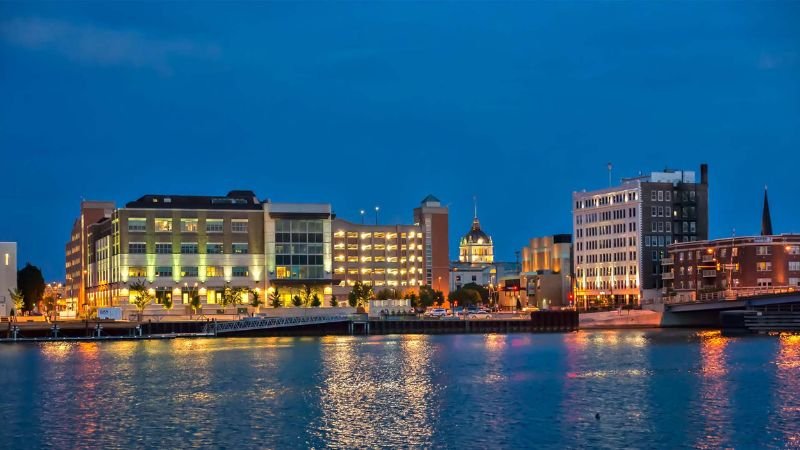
(254, 323)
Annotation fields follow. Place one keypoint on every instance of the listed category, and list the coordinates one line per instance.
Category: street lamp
(376, 214)
(362, 216)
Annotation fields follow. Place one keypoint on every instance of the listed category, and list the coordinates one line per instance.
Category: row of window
(188, 271)
(164, 225)
(605, 271)
(189, 248)
(606, 200)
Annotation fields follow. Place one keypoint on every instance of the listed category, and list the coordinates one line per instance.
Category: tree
(413, 299)
(141, 296)
(297, 301)
(255, 300)
(315, 301)
(194, 302)
(31, 283)
(334, 302)
(464, 296)
(232, 296)
(275, 299)
(18, 299)
(308, 294)
(167, 302)
(426, 296)
(360, 294)
(384, 294)
(438, 298)
(483, 293)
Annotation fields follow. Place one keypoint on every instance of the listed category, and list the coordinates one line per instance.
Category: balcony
(668, 276)
(709, 273)
(667, 261)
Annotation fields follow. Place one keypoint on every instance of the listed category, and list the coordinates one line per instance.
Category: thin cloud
(102, 46)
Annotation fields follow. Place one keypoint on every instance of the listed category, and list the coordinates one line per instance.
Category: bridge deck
(251, 324)
(740, 303)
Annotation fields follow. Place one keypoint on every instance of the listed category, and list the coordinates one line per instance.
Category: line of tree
(360, 295)
(30, 285)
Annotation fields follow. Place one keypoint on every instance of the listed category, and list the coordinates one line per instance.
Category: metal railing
(250, 324)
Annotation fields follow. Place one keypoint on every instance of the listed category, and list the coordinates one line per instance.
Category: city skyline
(204, 107)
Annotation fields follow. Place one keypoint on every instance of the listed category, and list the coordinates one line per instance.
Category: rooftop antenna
(609, 174)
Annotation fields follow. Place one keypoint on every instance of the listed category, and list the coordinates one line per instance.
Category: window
(763, 266)
(164, 271)
(691, 196)
(668, 227)
(794, 249)
(660, 227)
(163, 247)
(239, 226)
(137, 247)
(137, 272)
(661, 196)
(189, 248)
(213, 225)
(163, 225)
(653, 196)
(692, 227)
(762, 250)
(189, 271)
(189, 225)
(240, 271)
(214, 248)
(795, 282)
(653, 211)
(660, 211)
(239, 249)
(667, 211)
(138, 224)
(653, 227)
(668, 196)
(794, 266)
(214, 271)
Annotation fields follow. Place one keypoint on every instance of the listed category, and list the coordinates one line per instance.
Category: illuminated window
(282, 272)
(240, 249)
(189, 225)
(763, 266)
(214, 271)
(137, 272)
(214, 226)
(137, 224)
(163, 225)
(239, 226)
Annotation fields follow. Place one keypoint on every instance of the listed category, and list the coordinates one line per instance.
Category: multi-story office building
(182, 245)
(76, 259)
(546, 275)
(621, 234)
(732, 267)
(179, 245)
(8, 276)
(298, 248)
(433, 218)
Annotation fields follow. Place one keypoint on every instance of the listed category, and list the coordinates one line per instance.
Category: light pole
(376, 214)
(362, 216)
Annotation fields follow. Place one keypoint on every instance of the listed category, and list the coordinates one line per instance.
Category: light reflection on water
(651, 389)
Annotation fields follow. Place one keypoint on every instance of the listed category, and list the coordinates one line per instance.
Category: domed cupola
(476, 246)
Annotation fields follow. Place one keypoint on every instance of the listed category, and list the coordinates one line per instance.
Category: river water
(651, 388)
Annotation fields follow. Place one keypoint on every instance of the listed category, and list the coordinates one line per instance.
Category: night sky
(364, 104)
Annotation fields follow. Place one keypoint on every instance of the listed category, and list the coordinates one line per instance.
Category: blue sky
(380, 103)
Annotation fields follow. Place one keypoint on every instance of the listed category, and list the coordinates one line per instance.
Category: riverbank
(640, 318)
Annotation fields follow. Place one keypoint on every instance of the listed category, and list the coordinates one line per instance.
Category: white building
(8, 276)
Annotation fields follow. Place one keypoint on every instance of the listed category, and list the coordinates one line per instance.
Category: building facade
(8, 276)
(732, 267)
(76, 264)
(179, 246)
(186, 245)
(621, 234)
(434, 220)
(476, 247)
(546, 273)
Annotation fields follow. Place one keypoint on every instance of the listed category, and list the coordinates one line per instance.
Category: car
(480, 315)
(436, 312)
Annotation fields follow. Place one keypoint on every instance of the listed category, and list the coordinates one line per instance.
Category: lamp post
(362, 216)
(377, 208)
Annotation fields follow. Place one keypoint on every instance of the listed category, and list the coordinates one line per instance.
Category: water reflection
(714, 394)
(787, 404)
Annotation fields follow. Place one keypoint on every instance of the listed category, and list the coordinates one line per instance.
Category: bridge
(708, 313)
(268, 323)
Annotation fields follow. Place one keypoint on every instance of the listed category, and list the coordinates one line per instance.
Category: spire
(475, 204)
(766, 221)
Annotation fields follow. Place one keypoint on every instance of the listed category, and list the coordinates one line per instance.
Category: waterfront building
(185, 245)
(8, 276)
(546, 273)
(433, 218)
(476, 246)
(621, 234)
(298, 249)
(180, 246)
(76, 264)
(733, 267)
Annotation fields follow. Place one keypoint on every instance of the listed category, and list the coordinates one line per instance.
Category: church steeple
(766, 221)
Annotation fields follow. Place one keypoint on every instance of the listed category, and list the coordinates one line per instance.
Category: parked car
(436, 312)
(480, 315)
